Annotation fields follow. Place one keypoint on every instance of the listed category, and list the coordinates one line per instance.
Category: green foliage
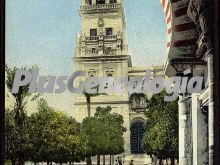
(54, 136)
(10, 135)
(161, 136)
(18, 128)
(104, 132)
(47, 135)
(21, 98)
(16, 139)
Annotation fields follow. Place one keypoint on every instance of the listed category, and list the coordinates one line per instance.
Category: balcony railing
(110, 37)
(92, 38)
(96, 38)
(91, 51)
(110, 52)
(105, 52)
(101, 6)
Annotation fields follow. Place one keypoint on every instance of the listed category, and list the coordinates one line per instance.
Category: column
(185, 141)
(199, 132)
(211, 108)
(127, 133)
(93, 2)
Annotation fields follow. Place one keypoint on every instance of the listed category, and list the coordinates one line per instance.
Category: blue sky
(43, 32)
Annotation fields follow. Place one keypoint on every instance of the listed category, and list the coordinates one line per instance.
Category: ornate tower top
(91, 4)
(102, 29)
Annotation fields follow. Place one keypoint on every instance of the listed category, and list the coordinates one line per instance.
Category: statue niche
(138, 102)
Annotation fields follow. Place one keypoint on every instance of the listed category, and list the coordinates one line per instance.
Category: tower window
(100, 1)
(113, 1)
(91, 73)
(109, 73)
(89, 2)
(108, 31)
(93, 32)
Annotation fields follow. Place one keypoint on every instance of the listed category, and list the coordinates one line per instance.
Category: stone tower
(102, 51)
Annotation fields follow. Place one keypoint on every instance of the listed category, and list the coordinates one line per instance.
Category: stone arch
(181, 34)
(135, 119)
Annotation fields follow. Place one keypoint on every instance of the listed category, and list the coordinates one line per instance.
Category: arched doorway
(136, 136)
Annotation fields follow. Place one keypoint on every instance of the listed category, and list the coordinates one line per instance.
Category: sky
(43, 33)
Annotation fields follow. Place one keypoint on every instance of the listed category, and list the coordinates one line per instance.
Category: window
(100, 1)
(113, 1)
(94, 51)
(91, 73)
(93, 32)
(137, 132)
(90, 2)
(108, 31)
(109, 73)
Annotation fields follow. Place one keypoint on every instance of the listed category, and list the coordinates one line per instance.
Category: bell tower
(102, 51)
(103, 29)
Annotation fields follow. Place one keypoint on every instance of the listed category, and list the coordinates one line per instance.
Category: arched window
(89, 2)
(137, 132)
(113, 1)
(100, 1)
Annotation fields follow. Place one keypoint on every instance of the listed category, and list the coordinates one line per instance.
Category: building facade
(194, 50)
(102, 51)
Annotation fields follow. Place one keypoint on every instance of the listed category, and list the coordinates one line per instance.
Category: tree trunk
(154, 160)
(35, 163)
(88, 104)
(160, 161)
(13, 162)
(110, 162)
(113, 159)
(103, 159)
(172, 161)
(21, 161)
(48, 162)
(88, 160)
(98, 159)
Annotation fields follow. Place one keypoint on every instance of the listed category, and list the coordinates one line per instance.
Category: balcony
(92, 52)
(110, 37)
(105, 52)
(100, 6)
(106, 38)
(110, 52)
(92, 38)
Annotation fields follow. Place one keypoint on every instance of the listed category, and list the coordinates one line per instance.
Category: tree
(104, 133)
(88, 105)
(10, 136)
(16, 142)
(54, 136)
(161, 136)
(21, 100)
